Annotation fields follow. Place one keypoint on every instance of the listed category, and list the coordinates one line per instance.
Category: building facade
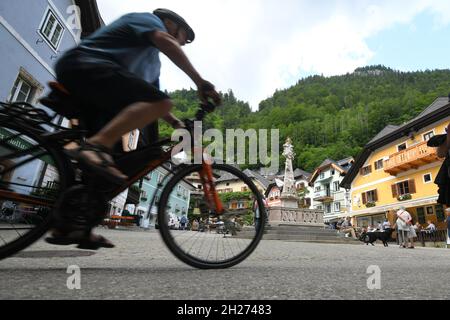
(328, 195)
(230, 183)
(151, 190)
(397, 169)
(304, 190)
(33, 35)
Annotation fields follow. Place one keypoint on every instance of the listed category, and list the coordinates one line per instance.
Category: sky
(255, 47)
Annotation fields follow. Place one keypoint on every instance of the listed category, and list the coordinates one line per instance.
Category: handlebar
(201, 114)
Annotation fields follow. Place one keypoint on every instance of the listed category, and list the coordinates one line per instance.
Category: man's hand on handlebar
(174, 121)
(206, 90)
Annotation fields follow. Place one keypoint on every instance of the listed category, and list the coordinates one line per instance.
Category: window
(318, 189)
(404, 188)
(160, 178)
(440, 213)
(328, 208)
(370, 197)
(427, 136)
(23, 91)
(427, 178)
(421, 215)
(322, 175)
(402, 147)
(366, 171)
(337, 207)
(244, 189)
(379, 164)
(336, 186)
(52, 30)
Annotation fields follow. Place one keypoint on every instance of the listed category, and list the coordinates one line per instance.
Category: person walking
(413, 229)
(403, 226)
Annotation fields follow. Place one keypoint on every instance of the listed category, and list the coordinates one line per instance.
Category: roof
(437, 111)
(339, 165)
(300, 172)
(249, 173)
(345, 161)
(255, 175)
(386, 131)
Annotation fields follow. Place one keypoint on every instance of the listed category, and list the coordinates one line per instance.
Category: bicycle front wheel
(31, 178)
(208, 240)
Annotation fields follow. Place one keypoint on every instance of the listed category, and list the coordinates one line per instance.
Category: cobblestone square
(140, 267)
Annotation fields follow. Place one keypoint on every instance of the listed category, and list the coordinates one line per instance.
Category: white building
(327, 193)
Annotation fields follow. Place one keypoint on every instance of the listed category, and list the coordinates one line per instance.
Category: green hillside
(331, 117)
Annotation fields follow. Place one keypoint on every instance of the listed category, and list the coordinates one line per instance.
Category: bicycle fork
(209, 189)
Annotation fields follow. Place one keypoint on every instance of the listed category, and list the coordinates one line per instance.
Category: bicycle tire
(42, 200)
(200, 262)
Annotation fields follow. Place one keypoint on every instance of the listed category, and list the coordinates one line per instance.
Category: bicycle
(36, 175)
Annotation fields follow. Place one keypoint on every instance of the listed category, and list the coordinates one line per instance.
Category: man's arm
(173, 121)
(172, 49)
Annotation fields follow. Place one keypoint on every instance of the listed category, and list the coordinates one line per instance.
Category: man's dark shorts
(103, 87)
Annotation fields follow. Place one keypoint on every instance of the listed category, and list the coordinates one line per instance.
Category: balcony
(411, 158)
(323, 196)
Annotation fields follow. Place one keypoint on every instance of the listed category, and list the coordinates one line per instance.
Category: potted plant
(371, 204)
(404, 197)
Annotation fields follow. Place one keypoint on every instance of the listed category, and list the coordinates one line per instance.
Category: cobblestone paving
(140, 267)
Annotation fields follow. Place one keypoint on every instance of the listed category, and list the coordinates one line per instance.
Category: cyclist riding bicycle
(114, 74)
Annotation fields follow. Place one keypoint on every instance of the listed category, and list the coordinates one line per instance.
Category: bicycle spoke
(216, 238)
(31, 178)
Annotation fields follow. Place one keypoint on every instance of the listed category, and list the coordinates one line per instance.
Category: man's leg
(137, 115)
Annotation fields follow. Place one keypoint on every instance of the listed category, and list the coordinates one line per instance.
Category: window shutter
(361, 171)
(370, 169)
(364, 198)
(394, 191)
(376, 195)
(412, 186)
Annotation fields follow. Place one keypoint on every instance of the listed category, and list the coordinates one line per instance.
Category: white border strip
(25, 44)
(412, 203)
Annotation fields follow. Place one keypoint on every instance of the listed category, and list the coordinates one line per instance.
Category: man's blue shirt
(126, 42)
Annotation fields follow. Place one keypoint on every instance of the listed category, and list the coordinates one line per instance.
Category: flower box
(404, 197)
(371, 204)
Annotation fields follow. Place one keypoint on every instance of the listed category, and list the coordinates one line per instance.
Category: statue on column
(289, 198)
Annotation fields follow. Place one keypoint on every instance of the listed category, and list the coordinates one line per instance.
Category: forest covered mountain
(329, 117)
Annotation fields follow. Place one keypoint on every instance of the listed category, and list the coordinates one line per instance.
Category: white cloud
(257, 46)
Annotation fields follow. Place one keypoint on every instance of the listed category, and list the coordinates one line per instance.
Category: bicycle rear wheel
(31, 178)
(212, 241)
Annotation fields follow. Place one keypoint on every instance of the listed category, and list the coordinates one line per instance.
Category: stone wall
(280, 215)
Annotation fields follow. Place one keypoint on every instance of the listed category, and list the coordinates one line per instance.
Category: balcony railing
(323, 196)
(411, 158)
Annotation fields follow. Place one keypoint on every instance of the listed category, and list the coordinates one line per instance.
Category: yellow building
(397, 168)
(230, 183)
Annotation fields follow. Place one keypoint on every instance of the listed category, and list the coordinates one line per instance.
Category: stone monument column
(289, 197)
